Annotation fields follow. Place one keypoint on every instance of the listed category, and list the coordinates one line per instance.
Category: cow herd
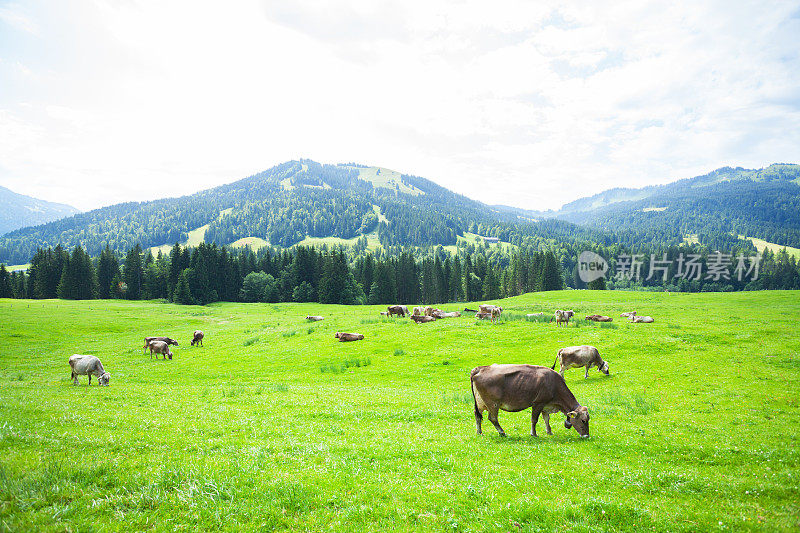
(90, 365)
(507, 387)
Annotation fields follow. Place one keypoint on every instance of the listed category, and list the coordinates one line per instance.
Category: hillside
(19, 211)
(762, 203)
(286, 205)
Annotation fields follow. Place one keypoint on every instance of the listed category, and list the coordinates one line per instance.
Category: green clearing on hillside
(762, 245)
(274, 425)
(388, 179)
(195, 237)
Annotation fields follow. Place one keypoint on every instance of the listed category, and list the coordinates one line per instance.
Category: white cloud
(529, 105)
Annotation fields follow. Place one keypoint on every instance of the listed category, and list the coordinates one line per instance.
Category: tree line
(209, 273)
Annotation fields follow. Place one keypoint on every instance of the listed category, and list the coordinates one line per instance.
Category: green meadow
(274, 425)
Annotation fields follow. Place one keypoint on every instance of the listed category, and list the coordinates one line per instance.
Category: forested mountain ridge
(763, 203)
(18, 211)
(287, 203)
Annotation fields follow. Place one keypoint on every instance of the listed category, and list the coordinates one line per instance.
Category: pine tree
(133, 274)
(182, 293)
(5, 283)
(107, 270)
(551, 274)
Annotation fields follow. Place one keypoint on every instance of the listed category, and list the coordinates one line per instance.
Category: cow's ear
(572, 414)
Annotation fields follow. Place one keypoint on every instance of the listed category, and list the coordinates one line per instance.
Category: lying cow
(483, 316)
(384, 313)
(599, 318)
(429, 310)
(197, 338)
(400, 310)
(468, 310)
(642, 319)
(580, 356)
(88, 365)
(422, 319)
(534, 314)
(418, 311)
(628, 314)
(516, 387)
(347, 337)
(168, 340)
(315, 318)
(159, 347)
(442, 314)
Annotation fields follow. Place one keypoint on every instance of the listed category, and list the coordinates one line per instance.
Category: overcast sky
(530, 104)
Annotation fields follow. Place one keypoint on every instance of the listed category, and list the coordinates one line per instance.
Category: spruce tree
(133, 274)
(5, 283)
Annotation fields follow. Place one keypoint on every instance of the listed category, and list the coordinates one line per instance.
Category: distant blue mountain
(20, 211)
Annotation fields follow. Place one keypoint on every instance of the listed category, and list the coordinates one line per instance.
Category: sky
(529, 104)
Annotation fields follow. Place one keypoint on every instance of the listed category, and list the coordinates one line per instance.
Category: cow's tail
(478, 415)
(556, 361)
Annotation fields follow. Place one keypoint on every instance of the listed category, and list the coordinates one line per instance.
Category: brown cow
(397, 310)
(422, 319)
(197, 339)
(514, 388)
(563, 316)
(159, 347)
(419, 311)
(162, 339)
(487, 308)
(483, 316)
(599, 318)
(347, 337)
(580, 356)
(428, 310)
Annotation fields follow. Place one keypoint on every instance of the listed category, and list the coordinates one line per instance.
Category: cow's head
(169, 354)
(104, 379)
(579, 419)
(173, 342)
(604, 368)
(336, 335)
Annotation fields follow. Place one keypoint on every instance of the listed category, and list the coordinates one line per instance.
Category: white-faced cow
(563, 316)
(88, 365)
(159, 347)
(197, 338)
(514, 388)
(418, 311)
(580, 356)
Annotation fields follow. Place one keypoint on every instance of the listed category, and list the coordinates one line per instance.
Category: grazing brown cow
(580, 356)
(159, 347)
(642, 319)
(516, 387)
(88, 365)
(162, 339)
(397, 310)
(347, 337)
(422, 319)
(197, 339)
(314, 318)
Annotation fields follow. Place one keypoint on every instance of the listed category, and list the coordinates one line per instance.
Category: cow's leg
(478, 419)
(74, 378)
(493, 419)
(563, 369)
(90, 378)
(546, 417)
(535, 412)
(586, 374)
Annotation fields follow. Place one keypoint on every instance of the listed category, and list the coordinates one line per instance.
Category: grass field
(274, 425)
